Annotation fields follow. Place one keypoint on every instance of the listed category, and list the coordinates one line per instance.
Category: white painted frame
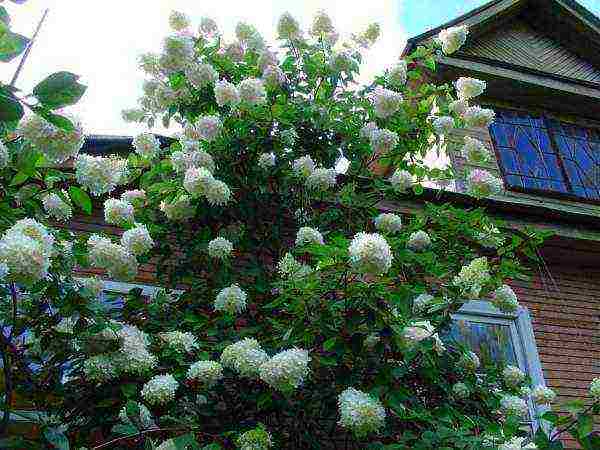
(523, 340)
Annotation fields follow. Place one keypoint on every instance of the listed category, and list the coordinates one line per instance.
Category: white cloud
(100, 40)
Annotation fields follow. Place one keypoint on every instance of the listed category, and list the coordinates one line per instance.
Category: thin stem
(8, 387)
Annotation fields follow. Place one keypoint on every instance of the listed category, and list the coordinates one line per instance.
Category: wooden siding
(521, 45)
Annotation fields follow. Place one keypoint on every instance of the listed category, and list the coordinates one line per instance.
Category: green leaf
(12, 45)
(129, 390)
(585, 425)
(81, 199)
(186, 442)
(59, 89)
(4, 16)
(329, 344)
(19, 178)
(57, 438)
(10, 108)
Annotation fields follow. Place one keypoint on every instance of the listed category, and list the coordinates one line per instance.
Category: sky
(100, 40)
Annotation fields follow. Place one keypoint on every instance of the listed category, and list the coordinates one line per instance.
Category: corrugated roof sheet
(521, 45)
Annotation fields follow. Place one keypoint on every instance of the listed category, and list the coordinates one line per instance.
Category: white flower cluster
(475, 151)
(322, 24)
(25, 250)
(201, 75)
(370, 254)
(205, 372)
(184, 160)
(517, 443)
(388, 223)
(286, 370)
(418, 241)
(397, 74)
(513, 376)
(208, 128)
(473, 277)
(443, 124)
(505, 299)
(220, 248)
(289, 267)
(179, 341)
(360, 412)
(118, 212)
(512, 405)
(478, 117)
(481, 183)
(178, 50)
(226, 93)
(255, 439)
(303, 166)
(160, 389)
(386, 102)
(144, 417)
(118, 261)
(178, 21)
(252, 91)
(134, 357)
(321, 179)
(382, 140)
(595, 389)
(543, 395)
(99, 369)
(146, 145)
(469, 361)
(458, 107)
(288, 27)
(179, 209)
(453, 38)
(4, 155)
(100, 174)
(208, 27)
(309, 236)
(420, 331)
(244, 357)
(468, 88)
(231, 299)
(401, 180)
(92, 285)
(461, 391)
(56, 207)
(199, 181)
(137, 240)
(266, 161)
(421, 302)
(56, 144)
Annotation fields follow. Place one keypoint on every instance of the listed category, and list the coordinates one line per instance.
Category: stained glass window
(537, 153)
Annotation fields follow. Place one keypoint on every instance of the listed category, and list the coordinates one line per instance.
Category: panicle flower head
(256, 439)
(244, 357)
(201, 74)
(418, 241)
(118, 261)
(511, 405)
(458, 107)
(303, 166)
(118, 212)
(252, 91)
(273, 76)
(137, 240)
(133, 357)
(179, 46)
(217, 193)
(386, 102)
(322, 24)
(360, 412)
(99, 174)
(388, 223)
(401, 180)
(56, 207)
(179, 209)
(289, 267)
(160, 389)
(417, 332)
(475, 151)
(135, 197)
(288, 27)
(197, 180)
(513, 376)
(205, 372)
(468, 88)
(286, 370)
(368, 37)
(382, 140)
(146, 145)
(266, 160)
(321, 179)
(148, 63)
(366, 132)
(505, 299)
(595, 389)
(178, 21)
(34, 230)
(453, 38)
(421, 302)
(517, 443)
(209, 127)
(220, 248)
(288, 137)
(478, 117)
(231, 299)
(370, 253)
(469, 361)
(178, 341)
(182, 161)
(26, 260)
(461, 391)
(99, 369)
(472, 277)
(483, 184)
(543, 395)
(235, 51)
(309, 236)
(226, 93)
(397, 74)
(144, 416)
(443, 125)
(56, 144)
(208, 27)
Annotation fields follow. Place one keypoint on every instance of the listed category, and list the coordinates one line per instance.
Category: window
(502, 338)
(540, 153)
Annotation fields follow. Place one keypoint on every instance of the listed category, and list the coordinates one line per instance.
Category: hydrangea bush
(300, 309)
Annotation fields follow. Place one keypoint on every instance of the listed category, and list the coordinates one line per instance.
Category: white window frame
(523, 340)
